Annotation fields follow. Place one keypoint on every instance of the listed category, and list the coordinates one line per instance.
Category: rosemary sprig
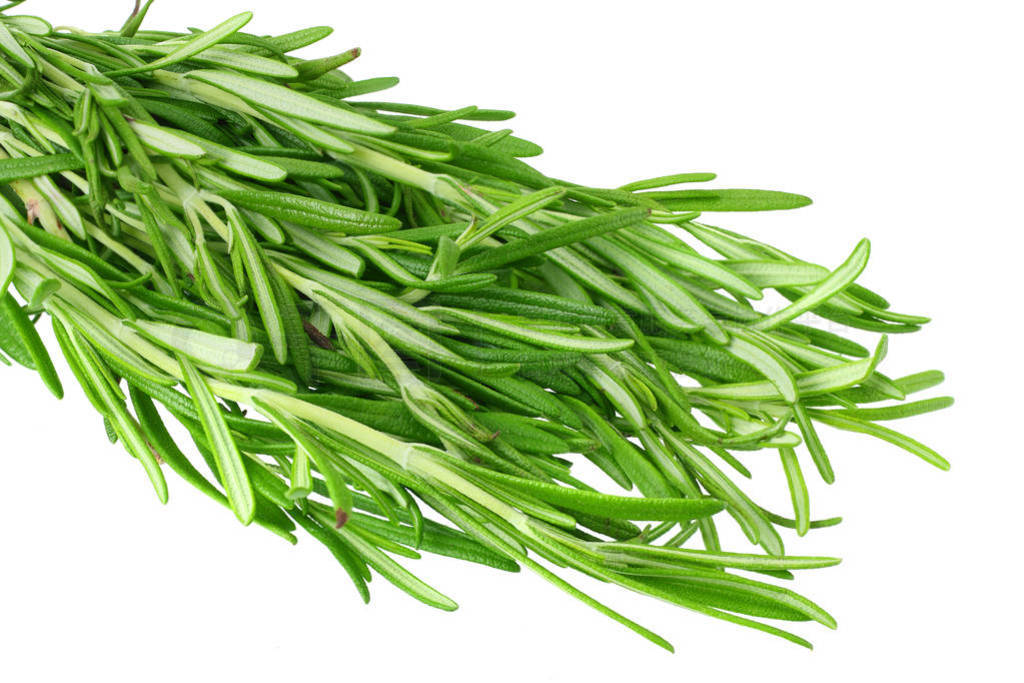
(359, 308)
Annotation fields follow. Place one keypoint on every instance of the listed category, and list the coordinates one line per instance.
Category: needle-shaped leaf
(117, 415)
(552, 238)
(10, 45)
(232, 59)
(653, 280)
(797, 490)
(551, 340)
(32, 167)
(727, 200)
(897, 411)
(666, 180)
(778, 273)
(823, 381)
(908, 444)
(262, 288)
(409, 339)
(396, 574)
(309, 132)
(134, 21)
(312, 212)
(717, 558)
(619, 507)
(764, 360)
(165, 141)
(838, 280)
(156, 434)
(706, 268)
(233, 474)
(287, 42)
(814, 445)
(509, 214)
(19, 339)
(34, 26)
(353, 565)
(296, 330)
(289, 102)
(324, 250)
(202, 347)
(315, 68)
(7, 258)
(193, 46)
(238, 162)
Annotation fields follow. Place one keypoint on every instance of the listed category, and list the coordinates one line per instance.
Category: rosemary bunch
(360, 309)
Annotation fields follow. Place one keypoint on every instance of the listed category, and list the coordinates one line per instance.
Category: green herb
(432, 331)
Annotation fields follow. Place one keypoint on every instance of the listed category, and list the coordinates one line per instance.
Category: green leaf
(408, 338)
(396, 574)
(34, 26)
(569, 589)
(33, 167)
(262, 288)
(813, 442)
(305, 169)
(778, 273)
(324, 250)
(163, 443)
(287, 42)
(238, 162)
(297, 339)
(353, 565)
(232, 471)
(551, 340)
(852, 424)
(233, 59)
(290, 102)
(727, 200)
(166, 141)
(315, 68)
(363, 87)
(19, 339)
(197, 44)
(509, 214)
(552, 238)
(114, 411)
(639, 552)
(797, 490)
(821, 381)
(696, 264)
(762, 358)
(10, 45)
(311, 212)
(134, 21)
(616, 507)
(840, 278)
(7, 258)
(308, 132)
(898, 411)
(209, 349)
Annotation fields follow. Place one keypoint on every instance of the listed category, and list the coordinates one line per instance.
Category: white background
(901, 119)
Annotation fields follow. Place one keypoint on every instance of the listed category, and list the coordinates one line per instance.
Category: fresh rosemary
(380, 325)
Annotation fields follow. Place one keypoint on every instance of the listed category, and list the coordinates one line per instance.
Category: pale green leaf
(289, 102)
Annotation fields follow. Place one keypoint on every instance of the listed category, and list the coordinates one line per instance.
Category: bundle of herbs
(383, 327)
